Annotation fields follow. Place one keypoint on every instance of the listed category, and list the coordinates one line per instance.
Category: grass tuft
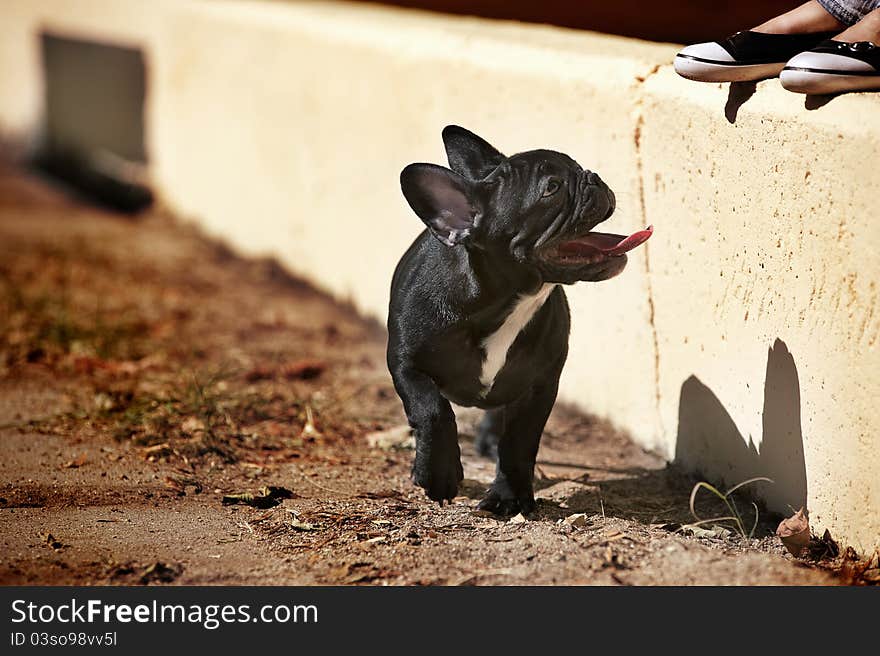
(734, 515)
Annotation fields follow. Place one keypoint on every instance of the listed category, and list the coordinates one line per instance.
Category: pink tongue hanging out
(603, 243)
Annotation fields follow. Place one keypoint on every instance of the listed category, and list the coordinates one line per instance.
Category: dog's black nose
(612, 203)
(594, 180)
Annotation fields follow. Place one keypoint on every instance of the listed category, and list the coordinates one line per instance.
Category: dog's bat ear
(441, 198)
(470, 155)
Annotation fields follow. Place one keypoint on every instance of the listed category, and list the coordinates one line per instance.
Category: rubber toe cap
(830, 63)
(710, 50)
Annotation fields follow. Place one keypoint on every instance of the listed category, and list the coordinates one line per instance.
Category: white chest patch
(496, 345)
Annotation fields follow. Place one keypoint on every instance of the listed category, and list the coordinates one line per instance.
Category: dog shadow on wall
(709, 441)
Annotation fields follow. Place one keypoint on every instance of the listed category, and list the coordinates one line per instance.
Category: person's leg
(867, 29)
(810, 17)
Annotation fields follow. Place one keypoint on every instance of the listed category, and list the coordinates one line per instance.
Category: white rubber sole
(800, 80)
(704, 71)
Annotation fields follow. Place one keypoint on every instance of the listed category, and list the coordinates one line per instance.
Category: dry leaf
(180, 483)
(52, 541)
(260, 372)
(795, 533)
(576, 520)
(398, 437)
(192, 425)
(157, 450)
(716, 532)
(300, 525)
(310, 431)
(159, 572)
(303, 369)
(267, 497)
(298, 370)
(824, 547)
(74, 464)
(381, 494)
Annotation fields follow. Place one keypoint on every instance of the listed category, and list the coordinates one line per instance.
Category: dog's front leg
(437, 464)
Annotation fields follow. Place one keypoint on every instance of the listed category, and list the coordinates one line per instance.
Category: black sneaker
(834, 67)
(743, 56)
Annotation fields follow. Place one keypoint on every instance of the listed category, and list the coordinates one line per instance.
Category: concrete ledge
(283, 127)
(331, 101)
(769, 234)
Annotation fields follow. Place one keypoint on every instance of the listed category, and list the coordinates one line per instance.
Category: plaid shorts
(849, 12)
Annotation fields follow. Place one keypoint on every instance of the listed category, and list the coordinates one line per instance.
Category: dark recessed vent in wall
(93, 135)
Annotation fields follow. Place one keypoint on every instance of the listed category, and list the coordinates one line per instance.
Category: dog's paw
(506, 505)
(439, 473)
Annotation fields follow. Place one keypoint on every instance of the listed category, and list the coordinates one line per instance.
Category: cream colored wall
(282, 128)
(770, 233)
(302, 158)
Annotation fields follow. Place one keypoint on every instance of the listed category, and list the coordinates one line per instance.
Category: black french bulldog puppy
(477, 314)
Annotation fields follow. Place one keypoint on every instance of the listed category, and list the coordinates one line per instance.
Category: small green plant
(725, 497)
(201, 398)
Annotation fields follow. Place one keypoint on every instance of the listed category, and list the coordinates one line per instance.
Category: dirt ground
(146, 373)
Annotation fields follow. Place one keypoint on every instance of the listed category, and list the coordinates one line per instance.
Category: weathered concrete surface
(769, 233)
(283, 127)
(330, 103)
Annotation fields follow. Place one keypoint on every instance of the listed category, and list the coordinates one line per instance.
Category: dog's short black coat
(486, 266)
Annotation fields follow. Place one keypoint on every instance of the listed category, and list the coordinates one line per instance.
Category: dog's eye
(552, 187)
